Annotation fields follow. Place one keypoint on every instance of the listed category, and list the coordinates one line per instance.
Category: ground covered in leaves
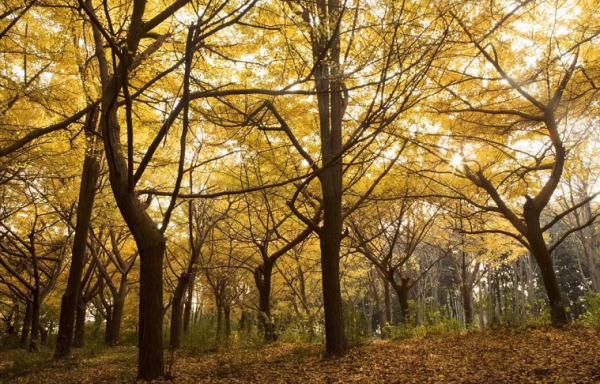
(532, 356)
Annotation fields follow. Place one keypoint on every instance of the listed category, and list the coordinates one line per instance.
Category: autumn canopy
(207, 174)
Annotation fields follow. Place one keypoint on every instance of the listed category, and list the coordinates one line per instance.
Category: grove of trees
(209, 171)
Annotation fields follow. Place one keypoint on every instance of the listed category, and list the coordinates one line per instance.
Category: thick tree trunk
(87, 193)
(151, 245)
(558, 314)
(387, 302)
(467, 298)
(79, 333)
(262, 278)
(150, 358)
(331, 111)
(335, 339)
(540, 252)
(402, 288)
(26, 328)
(113, 328)
(402, 292)
(35, 321)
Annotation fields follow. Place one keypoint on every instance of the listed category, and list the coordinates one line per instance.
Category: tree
(87, 192)
(203, 217)
(123, 177)
(392, 244)
(270, 228)
(533, 103)
(31, 256)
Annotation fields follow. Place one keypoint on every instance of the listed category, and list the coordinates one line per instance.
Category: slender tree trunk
(219, 332)
(495, 319)
(227, 316)
(87, 193)
(177, 311)
(79, 334)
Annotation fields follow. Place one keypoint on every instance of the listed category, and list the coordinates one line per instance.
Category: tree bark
(219, 331)
(540, 252)
(79, 333)
(262, 278)
(467, 298)
(148, 237)
(87, 193)
(187, 311)
(402, 288)
(35, 320)
(227, 315)
(330, 104)
(150, 358)
(177, 311)
(113, 329)
(26, 328)
(402, 292)
(387, 302)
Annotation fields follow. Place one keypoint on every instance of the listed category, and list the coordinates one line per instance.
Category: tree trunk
(335, 339)
(262, 278)
(26, 328)
(35, 320)
(87, 193)
(43, 336)
(108, 324)
(540, 252)
(493, 285)
(79, 334)
(150, 358)
(187, 311)
(467, 298)
(387, 302)
(227, 315)
(330, 240)
(149, 239)
(402, 292)
(177, 311)
(331, 111)
(219, 332)
(113, 329)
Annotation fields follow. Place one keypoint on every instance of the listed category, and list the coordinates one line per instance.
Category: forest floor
(504, 356)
